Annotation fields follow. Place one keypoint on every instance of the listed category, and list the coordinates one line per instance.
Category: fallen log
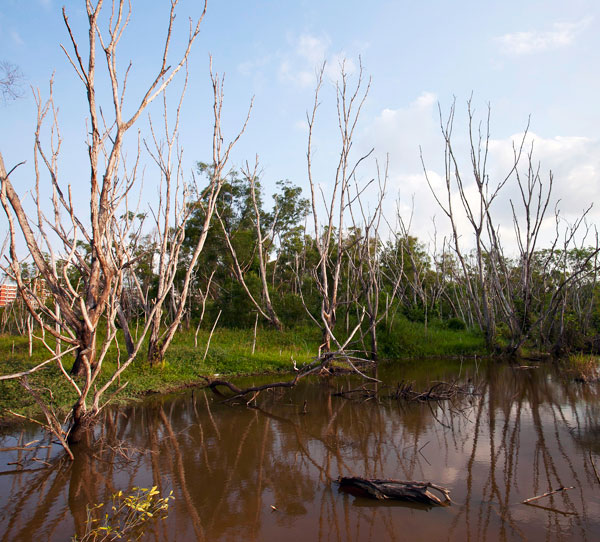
(321, 366)
(356, 393)
(416, 492)
(438, 391)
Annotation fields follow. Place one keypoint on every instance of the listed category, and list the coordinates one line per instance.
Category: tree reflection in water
(528, 432)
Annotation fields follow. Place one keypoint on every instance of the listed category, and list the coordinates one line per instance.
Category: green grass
(229, 354)
(581, 367)
(412, 340)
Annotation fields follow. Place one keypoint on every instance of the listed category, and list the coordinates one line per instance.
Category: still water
(526, 432)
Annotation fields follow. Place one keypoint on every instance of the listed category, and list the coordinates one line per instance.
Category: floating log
(417, 492)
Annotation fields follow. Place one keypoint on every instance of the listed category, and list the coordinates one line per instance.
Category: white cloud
(425, 100)
(401, 131)
(251, 67)
(312, 49)
(301, 64)
(301, 126)
(16, 37)
(574, 162)
(524, 43)
(575, 166)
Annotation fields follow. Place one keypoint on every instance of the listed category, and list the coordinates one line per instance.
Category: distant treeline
(262, 267)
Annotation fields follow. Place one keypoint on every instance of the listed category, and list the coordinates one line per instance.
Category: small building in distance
(8, 292)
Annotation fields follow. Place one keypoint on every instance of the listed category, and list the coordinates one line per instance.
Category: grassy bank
(230, 353)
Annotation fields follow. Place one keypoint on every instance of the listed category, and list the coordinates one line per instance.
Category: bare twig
(552, 492)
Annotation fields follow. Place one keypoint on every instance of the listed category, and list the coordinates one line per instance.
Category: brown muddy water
(528, 432)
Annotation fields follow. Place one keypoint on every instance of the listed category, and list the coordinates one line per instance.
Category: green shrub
(125, 516)
(456, 324)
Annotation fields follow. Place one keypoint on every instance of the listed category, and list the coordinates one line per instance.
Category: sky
(529, 61)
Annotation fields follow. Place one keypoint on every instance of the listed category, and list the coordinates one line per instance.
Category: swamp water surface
(527, 432)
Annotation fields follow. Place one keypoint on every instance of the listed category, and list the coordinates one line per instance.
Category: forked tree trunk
(79, 425)
(86, 349)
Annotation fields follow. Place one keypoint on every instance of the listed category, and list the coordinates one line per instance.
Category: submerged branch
(552, 492)
(439, 391)
(320, 365)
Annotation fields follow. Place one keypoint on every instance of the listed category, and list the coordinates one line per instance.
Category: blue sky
(537, 58)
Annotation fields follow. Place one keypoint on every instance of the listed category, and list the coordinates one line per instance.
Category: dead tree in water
(86, 285)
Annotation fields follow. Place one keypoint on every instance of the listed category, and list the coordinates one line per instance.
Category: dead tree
(501, 289)
(93, 300)
(415, 264)
(11, 79)
(476, 210)
(323, 365)
(566, 268)
(171, 229)
(366, 262)
(329, 238)
(515, 299)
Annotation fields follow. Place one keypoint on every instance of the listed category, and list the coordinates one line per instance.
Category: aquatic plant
(125, 516)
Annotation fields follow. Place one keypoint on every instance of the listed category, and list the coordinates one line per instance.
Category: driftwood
(415, 492)
(321, 365)
(357, 393)
(551, 492)
(438, 391)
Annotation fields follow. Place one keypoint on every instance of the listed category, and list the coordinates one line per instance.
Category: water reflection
(268, 472)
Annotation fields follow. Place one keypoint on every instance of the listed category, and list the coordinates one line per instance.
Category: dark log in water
(395, 489)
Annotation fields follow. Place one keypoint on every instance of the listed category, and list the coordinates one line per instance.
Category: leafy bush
(456, 324)
(125, 516)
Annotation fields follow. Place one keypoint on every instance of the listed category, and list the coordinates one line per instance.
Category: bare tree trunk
(211, 193)
(82, 307)
(125, 327)
(331, 250)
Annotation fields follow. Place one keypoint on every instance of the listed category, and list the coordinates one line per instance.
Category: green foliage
(125, 516)
(230, 353)
(456, 324)
(289, 308)
(412, 339)
(14, 352)
(237, 309)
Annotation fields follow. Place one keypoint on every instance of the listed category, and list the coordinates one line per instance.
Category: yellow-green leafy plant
(124, 516)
